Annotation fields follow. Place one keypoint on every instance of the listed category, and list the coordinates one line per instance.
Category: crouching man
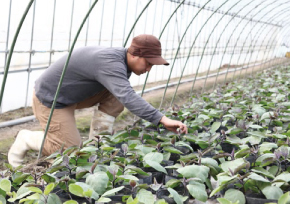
(94, 76)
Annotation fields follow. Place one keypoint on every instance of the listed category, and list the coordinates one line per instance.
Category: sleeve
(114, 78)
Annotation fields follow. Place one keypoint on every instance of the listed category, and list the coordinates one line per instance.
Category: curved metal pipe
(231, 38)
(254, 37)
(52, 32)
(233, 17)
(30, 55)
(161, 33)
(207, 43)
(196, 39)
(267, 34)
(11, 50)
(248, 35)
(136, 22)
(62, 76)
(178, 52)
(274, 41)
(88, 24)
(71, 22)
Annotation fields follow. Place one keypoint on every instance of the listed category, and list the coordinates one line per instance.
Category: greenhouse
(86, 117)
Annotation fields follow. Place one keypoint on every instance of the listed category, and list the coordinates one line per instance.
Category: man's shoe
(101, 122)
(24, 141)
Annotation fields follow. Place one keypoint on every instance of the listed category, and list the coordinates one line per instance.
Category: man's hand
(172, 125)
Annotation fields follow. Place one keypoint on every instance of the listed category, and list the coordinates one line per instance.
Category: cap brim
(157, 61)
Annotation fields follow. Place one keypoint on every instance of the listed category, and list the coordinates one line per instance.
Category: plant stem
(279, 167)
(67, 190)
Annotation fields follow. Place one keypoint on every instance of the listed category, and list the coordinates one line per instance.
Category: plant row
(236, 151)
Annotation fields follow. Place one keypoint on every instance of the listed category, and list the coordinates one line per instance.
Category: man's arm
(173, 125)
(114, 78)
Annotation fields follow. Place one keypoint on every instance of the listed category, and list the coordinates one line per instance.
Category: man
(94, 76)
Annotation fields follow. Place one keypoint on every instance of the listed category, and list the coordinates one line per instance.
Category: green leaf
(104, 200)
(267, 115)
(225, 201)
(257, 177)
(235, 131)
(76, 190)
(98, 182)
(55, 168)
(131, 201)
(172, 183)
(53, 199)
(202, 144)
(22, 192)
(284, 199)
(203, 117)
(197, 190)
(266, 159)
(272, 192)
(112, 191)
(216, 190)
(122, 134)
(267, 146)
(5, 185)
(145, 196)
(2, 199)
(234, 195)
(35, 190)
(162, 201)
(279, 136)
(156, 166)
(49, 188)
(71, 202)
(215, 126)
(172, 150)
(107, 148)
(234, 139)
(258, 109)
(232, 164)
(3, 193)
(183, 144)
(285, 176)
(244, 150)
(273, 170)
(80, 174)
(145, 149)
(87, 188)
(175, 195)
(287, 104)
(128, 177)
(255, 126)
(35, 196)
(263, 171)
(89, 149)
(138, 170)
(19, 177)
(88, 193)
(224, 178)
(258, 134)
(212, 164)
(48, 178)
(254, 140)
(194, 171)
(229, 116)
(154, 156)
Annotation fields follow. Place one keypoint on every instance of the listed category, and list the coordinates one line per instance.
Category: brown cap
(149, 47)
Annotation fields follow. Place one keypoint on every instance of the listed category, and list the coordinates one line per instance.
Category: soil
(83, 117)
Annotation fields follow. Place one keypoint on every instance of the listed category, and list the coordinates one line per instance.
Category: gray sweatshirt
(91, 70)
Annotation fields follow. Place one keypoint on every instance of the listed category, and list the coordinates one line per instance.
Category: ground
(83, 117)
